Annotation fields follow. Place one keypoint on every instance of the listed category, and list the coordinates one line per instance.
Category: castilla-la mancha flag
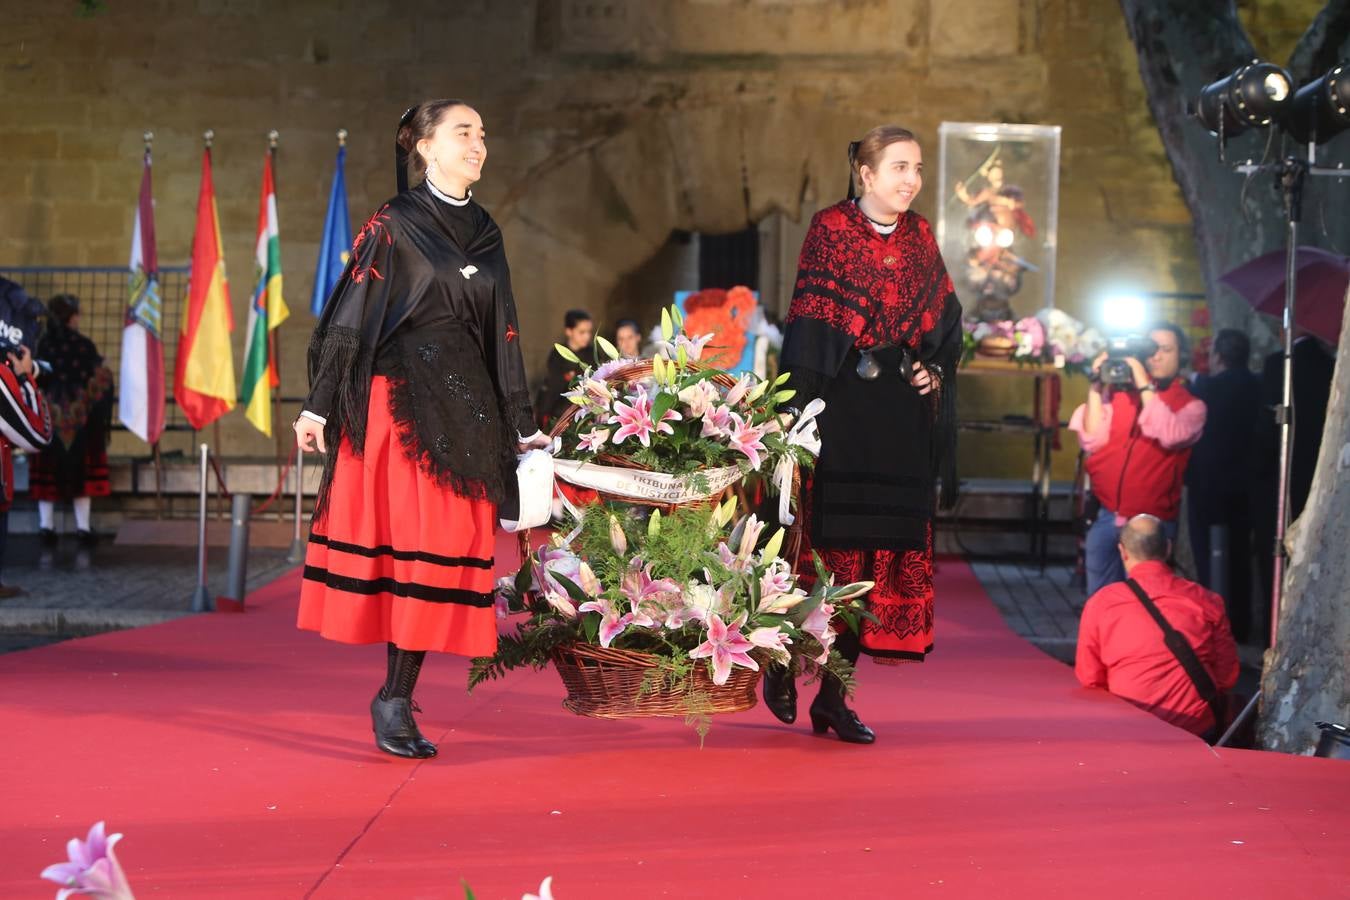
(266, 311)
(203, 382)
(140, 401)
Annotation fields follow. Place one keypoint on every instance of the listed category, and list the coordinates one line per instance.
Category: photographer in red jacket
(1137, 432)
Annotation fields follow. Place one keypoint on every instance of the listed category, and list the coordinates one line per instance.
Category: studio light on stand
(1320, 109)
(1261, 94)
(1251, 97)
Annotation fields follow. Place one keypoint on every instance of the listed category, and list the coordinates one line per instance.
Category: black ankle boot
(829, 710)
(391, 711)
(780, 693)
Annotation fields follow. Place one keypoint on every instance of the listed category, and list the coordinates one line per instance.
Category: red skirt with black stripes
(396, 557)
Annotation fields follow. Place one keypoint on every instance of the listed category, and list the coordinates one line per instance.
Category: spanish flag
(266, 311)
(203, 381)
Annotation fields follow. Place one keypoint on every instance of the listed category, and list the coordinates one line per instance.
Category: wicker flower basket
(608, 684)
(631, 374)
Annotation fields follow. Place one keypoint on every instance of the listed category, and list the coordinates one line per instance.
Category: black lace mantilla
(452, 422)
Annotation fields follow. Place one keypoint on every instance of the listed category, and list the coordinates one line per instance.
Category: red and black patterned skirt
(64, 473)
(902, 599)
(397, 557)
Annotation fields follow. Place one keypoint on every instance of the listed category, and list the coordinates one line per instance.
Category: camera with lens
(1114, 370)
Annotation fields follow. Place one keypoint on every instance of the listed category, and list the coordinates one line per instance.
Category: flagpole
(274, 345)
(209, 137)
(149, 138)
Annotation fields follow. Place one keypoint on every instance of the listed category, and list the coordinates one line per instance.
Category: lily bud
(617, 539)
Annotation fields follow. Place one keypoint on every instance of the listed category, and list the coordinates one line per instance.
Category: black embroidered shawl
(858, 290)
(435, 314)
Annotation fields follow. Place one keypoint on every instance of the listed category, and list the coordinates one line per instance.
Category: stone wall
(611, 123)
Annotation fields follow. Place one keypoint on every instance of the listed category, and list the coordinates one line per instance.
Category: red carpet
(234, 752)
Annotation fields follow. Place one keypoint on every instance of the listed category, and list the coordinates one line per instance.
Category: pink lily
(776, 604)
(501, 596)
(726, 646)
(634, 419)
(594, 440)
(747, 439)
(93, 869)
(611, 623)
(746, 535)
(716, 422)
(739, 390)
(699, 397)
(638, 584)
(817, 625)
(773, 639)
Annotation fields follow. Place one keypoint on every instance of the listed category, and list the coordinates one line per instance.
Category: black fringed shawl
(883, 444)
(426, 300)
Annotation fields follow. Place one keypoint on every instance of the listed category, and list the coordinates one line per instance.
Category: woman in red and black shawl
(874, 330)
(418, 397)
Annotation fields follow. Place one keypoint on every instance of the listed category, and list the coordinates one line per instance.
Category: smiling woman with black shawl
(418, 396)
(874, 329)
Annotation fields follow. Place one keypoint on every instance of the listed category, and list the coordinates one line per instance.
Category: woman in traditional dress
(874, 329)
(74, 466)
(418, 397)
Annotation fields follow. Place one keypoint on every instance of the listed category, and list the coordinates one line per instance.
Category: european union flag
(337, 240)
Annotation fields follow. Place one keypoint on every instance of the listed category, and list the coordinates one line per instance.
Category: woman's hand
(537, 441)
(923, 380)
(309, 435)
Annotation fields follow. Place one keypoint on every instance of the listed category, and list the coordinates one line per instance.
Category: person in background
(1220, 472)
(1138, 440)
(74, 466)
(628, 339)
(1121, 646)
(578, 330)
(1314, 367)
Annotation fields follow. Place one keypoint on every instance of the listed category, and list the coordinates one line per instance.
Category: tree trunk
(1182, 46)
(1305, 680)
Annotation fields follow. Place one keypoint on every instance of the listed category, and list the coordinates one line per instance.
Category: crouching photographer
(1137, 428)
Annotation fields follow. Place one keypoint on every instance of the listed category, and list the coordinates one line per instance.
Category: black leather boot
(391, 711)
(780, 693)
(829, 711)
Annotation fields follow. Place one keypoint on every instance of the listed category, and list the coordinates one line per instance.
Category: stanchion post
(297, 542)
(237, 581)
(201, 598)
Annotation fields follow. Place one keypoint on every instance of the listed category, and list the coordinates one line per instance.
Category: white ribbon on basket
(638, 484)
(806, 435)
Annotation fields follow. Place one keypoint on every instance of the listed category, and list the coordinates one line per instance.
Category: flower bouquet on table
(645, 614)
(667, 431)
(1051, 337)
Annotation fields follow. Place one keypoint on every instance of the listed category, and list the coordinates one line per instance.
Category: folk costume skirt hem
(397, 558)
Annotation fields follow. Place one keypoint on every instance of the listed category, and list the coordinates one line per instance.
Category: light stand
(1292, 173)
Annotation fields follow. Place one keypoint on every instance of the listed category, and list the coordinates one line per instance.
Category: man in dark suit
(1314, 367)
(1221, 469)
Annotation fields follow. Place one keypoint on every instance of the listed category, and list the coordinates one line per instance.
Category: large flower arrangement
(692, 588)
(1051, 337)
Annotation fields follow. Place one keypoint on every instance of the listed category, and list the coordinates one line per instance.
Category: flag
(203, 382)
(266, 311)
(140, 401)
(336, 244)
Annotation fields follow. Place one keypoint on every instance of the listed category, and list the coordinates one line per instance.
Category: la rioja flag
(140, 401)
(266, 311)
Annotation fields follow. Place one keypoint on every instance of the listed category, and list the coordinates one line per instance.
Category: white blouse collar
(453, 201)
